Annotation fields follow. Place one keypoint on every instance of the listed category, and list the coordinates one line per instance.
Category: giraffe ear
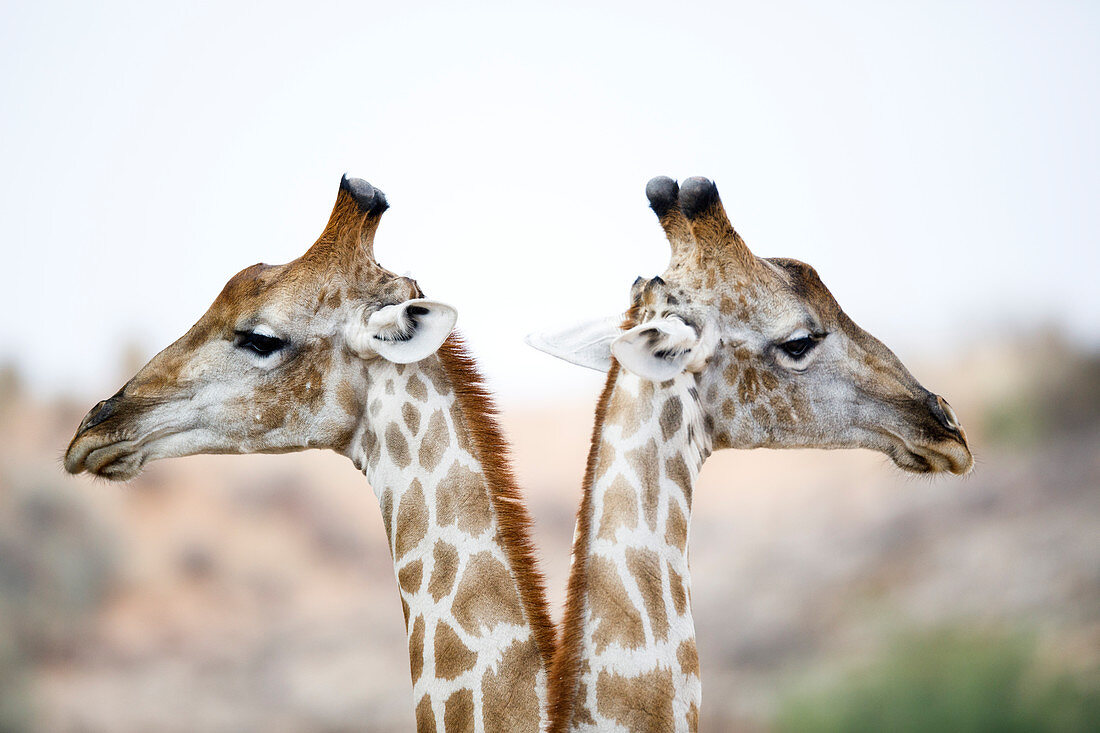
(658, 350)
(586, 344)
(402, 333)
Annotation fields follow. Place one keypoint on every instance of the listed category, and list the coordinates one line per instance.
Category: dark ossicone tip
(370, 199)
(697, 195)
(663, 193)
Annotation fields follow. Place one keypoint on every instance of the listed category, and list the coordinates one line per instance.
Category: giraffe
(333, 351)
(723, 350)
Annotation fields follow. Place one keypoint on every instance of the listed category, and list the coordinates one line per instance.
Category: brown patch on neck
(566, 670)
(513, 521)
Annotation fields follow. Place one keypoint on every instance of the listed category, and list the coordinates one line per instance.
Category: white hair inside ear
(660, 349)
(586, 344)
(401, 333)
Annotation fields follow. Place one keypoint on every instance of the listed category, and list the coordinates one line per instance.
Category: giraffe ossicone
(722, 350)
(334, 351)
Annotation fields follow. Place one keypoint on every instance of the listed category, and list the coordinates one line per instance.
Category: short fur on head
(254, 374)
(760, 354)
(778, 362)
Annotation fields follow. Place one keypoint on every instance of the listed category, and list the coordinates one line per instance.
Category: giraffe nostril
(944, 414)
(98, 414)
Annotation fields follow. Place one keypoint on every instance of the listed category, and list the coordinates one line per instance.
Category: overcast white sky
(938, 163)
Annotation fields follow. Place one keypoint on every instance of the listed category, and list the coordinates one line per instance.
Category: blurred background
(937, 163)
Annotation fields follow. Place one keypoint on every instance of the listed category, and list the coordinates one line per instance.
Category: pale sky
(938, 163)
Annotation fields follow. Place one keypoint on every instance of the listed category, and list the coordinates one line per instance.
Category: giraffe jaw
(116, 460)
(948, 456)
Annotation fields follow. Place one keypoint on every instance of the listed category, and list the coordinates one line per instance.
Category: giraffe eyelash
(259, 343)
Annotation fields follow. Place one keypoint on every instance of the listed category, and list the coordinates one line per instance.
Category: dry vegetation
(256, 593)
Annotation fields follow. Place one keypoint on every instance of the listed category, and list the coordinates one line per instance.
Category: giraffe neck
(628, 659)
(480, 637)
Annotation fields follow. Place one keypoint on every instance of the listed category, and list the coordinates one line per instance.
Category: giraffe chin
(945, 457)
(116, 461)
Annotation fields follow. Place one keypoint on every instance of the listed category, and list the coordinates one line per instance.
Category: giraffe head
(777, 363)
(278, 362)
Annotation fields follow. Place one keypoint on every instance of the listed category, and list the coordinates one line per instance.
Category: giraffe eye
(798, 348)
(259, 343)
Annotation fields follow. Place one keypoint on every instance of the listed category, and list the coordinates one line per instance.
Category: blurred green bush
(1059, 394)
(964, 682)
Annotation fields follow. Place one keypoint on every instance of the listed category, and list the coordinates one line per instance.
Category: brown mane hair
(567, 661)
(513, 521)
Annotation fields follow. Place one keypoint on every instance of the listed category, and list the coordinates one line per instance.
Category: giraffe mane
(514, 522)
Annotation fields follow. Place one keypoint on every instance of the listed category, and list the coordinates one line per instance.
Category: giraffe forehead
(311, 284)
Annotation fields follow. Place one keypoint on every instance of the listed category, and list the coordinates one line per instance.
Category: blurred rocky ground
(255, 593)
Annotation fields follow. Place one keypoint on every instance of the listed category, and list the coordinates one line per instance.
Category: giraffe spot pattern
(645, 565)
(452, 657)
(581, 714)
(769, 380)
(412, 520)
(416, 648)
(692, 716)
(433, 369)
(416, 388)
(459, 423)
(387, 514)
(748, 388)
(676, 589)
(410, 576)
(306, 385)
(509, 698)
(646, 467)
(629, 412)
(435, 442)
(616, 619)
(373, 446)
(458, 712)
(676, 527)
(425, 718)
(348, 399)
(412, 417)
(606, 456)
(620, 508)
(639, 703)
(762, 416)
(688, 657)
(731, 374)
(444, 569)
(729, 410)
(672, 417)
(677, 470)
(463, 497)
(486, 596)
(712, 393)
(397, 446)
